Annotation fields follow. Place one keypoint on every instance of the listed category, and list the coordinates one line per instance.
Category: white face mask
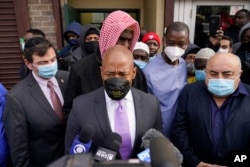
(223, 50)
(174, 52)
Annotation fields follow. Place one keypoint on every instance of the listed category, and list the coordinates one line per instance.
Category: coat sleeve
(73, 129)
(73, 89)
(180, 131)
(16, 128)
(4, 150)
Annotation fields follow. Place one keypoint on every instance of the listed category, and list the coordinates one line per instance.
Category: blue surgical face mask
(141, 64)
(221, 87)
(73, 42)
(200, 75)
(47, 71)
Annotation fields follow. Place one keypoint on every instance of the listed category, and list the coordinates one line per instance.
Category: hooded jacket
(75, 28)
(85, 75)
(78, 52)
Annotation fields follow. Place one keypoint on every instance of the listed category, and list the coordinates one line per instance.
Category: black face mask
(116, 88)
(91, 46)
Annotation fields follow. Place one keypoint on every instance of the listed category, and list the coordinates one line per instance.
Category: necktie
(122, 127)
(55, 101)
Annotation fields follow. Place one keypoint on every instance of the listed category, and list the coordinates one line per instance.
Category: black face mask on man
(91, 46)
(116, 88)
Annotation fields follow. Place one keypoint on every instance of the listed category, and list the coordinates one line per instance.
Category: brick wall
(41, 17)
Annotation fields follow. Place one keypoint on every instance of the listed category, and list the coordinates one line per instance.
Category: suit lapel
(101, 112)
(138, 113)
(61, 82)
(205, 102)
(37, 93)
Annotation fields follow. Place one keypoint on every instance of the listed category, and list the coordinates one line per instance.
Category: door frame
(185, 10)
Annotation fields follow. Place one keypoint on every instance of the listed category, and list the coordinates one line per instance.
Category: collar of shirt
(241, 89)
(44, 82)
(43, 85)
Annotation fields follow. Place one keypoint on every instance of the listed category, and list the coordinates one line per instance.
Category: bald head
(118, 62)
(224, 66)
(117, 54)
(223, 60)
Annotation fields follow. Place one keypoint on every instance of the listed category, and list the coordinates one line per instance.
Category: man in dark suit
(212, 118)
(33, 117)
(98, 108)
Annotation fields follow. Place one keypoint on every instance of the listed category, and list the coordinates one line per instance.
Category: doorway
(198, 11)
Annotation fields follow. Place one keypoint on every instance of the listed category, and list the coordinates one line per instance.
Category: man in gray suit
(33, 117)
(99, 107)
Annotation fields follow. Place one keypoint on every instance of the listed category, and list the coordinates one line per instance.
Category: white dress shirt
(128, 102)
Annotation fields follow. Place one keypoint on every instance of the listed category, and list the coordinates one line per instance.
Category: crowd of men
(115, 79)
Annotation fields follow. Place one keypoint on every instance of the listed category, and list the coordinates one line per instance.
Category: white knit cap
(205, 53)
(142, 46)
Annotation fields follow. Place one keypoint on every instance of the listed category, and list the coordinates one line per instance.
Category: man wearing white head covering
(141, 54)
(200, 62)
(119, 28)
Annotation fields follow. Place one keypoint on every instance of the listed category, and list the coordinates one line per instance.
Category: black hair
(36, 32)
(177, 26)
(229, 39)
(244, 11)
(36, 45)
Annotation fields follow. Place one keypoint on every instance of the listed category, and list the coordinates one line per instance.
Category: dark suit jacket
(85, 76)
(34, 132)
(91, 109)
(192, 129)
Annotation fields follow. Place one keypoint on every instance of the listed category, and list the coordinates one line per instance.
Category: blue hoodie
(72, 27)
(4, 150)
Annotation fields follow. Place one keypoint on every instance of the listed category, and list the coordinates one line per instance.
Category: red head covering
(113, 26)
(151, 36)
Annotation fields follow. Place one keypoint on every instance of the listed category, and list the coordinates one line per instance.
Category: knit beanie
(205, 53)
(92, 31)
(243, 29)
(151, 36)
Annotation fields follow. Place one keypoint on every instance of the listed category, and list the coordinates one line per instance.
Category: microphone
(147, 138)
(110, 148)
(83, 141)
(162, 153)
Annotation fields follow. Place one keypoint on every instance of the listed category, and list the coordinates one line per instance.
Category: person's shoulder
(195, 87)
(153, 64)
(62, 72)
(90, 96)
(3, 90)
(247, 87)
(142, 94)
(86, 62)
(21, 86)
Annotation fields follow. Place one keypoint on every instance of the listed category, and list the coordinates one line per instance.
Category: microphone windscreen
(162, 153)
(113, 142)
(148, 136)
(86, 134)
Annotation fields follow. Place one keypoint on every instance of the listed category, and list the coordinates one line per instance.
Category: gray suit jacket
(90, 109)
(34, 132)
